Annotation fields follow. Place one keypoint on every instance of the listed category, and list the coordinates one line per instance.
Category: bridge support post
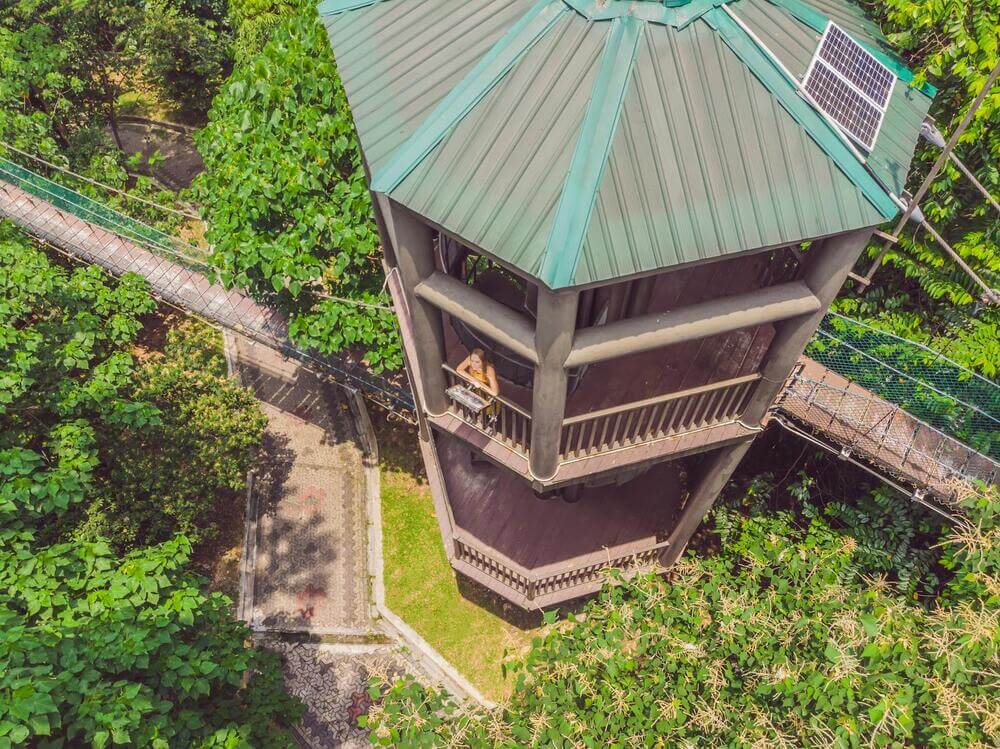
(412, 246)
(826, 269)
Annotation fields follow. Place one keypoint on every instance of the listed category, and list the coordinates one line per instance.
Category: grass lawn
(420, 584)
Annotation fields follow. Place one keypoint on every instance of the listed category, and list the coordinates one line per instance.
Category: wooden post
(826, 270)
(412, 245)
(716, 472)
(553, 341)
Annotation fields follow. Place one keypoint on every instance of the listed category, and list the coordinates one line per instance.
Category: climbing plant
(254, 21)
(286, 201)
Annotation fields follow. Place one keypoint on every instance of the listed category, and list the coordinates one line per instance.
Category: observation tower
(630, 217)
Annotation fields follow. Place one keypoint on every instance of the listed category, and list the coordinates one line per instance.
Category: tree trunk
(109, 100)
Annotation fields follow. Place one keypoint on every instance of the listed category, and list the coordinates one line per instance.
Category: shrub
(174, 475)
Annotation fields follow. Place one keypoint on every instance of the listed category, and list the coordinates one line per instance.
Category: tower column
(412, 244)
(556, 323)
(826, 270)
(719, 466)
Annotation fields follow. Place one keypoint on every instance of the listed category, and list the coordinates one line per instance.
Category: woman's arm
(463, 368)
(491, 375)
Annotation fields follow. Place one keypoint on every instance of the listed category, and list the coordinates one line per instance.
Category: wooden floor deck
(881, 434)
(499, 508)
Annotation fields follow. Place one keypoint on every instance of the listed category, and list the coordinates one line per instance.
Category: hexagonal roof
(581, 141)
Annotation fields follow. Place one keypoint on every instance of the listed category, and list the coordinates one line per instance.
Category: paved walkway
(311, 572)
(310, 592)
(179, 161)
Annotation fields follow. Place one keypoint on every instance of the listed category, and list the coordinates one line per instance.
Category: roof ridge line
(591, 152)
(333, 7)
(476, 84)
(746, 47)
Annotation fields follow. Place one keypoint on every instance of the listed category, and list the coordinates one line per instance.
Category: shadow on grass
(511, 613)
(398, 444)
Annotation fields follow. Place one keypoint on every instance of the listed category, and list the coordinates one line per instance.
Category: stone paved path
(311, 598)
(311, 571)
(332, 679)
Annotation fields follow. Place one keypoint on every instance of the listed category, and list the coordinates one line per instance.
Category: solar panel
(850, 85)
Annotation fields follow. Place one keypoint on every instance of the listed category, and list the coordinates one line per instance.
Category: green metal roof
(583, 141)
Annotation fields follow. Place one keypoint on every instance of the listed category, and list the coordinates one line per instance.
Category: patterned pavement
(332, 679)
(311, 573)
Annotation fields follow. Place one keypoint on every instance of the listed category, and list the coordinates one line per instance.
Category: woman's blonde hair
(481, 354)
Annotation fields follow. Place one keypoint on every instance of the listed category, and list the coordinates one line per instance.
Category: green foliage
(164, 444)
(895, 538)
(917, 378)
(289, 212)
(178, 473)
(761, 644)
(50, 106)
(185, 51)
(922, 292)
(64, 373)
(96, 649)
(255, 20)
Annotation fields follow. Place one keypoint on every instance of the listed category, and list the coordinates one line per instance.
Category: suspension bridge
(901, 411)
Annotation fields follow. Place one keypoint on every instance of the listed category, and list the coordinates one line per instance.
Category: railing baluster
(627, 428)
(711, 406)
(682, 422)
(615, 429)
(726, 410)
(667, 425)
(654, 412)
(604, 432)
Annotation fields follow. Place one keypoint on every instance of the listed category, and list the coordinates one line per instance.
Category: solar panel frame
(859, 66)
(872, 73)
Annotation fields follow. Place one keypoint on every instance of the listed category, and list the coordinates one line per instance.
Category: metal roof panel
(496, 178)
(398, 60)
(713, 152)
(706, 162)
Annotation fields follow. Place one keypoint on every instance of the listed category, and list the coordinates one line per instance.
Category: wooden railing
(505, 421)
(553, 579)
(654, 418)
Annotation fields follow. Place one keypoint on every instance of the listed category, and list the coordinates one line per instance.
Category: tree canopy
(286, 198)
(922, 293)
(96, 648)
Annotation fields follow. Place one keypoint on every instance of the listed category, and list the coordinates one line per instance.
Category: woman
(477, 369)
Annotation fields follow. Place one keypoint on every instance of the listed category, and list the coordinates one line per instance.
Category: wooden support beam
(696, 321)
(553, 340)
(491, 318)
(827, 266)
(412, 243)
(714, 475)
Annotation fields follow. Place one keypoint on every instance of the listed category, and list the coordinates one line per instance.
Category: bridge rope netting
(920, 380)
